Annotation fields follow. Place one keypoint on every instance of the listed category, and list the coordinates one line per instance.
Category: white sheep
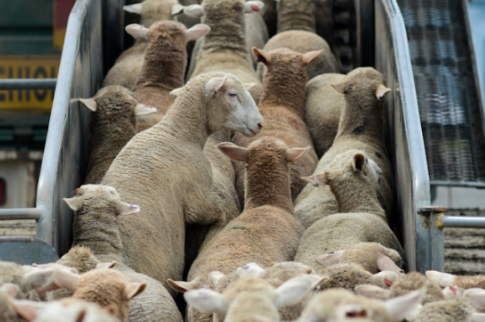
(164, 171)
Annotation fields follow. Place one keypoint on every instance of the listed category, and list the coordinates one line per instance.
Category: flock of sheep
(260, 188)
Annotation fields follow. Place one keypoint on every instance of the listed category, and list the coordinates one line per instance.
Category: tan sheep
(68, 310)
(322, 110)
(352, 177)
(164, 65)
(361, 127)
(96, 237)
(455, 310)
(373, 257)
(164, 171)
(128, 65)
(281, 105)
(250, 237)
(246, 297)
(112, 125)
(224, 49)
(338, 304)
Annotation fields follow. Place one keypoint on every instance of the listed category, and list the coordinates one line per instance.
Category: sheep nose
(260, 125)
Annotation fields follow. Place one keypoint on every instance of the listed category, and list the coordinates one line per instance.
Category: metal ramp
(448, 90)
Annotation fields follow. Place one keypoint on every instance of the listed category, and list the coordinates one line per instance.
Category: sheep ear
(177, 9)
(27, 309)
(127, 208)
(194, 10)
(372, 291)
(317, 179)
(358, 162)
(478, 317)
(206, 301)
(294, 154)
(52, 278)
(330, 259)
(133, 8)
(384, 263)
(181, 286)
(339, 87)
(443, 279)
(89, 103)
(214, 84)
(385, 279)
(176, 92)
(476, 296)
(381, 91)
(106, 265)
(215, 277)
(138, 32)
(133, 289)
(401, 306)
(311, 56)
(141, 109)
(75, 203)
(10, 289)
(292, 291)
(196, 32)
(234, 152)
(261, 56)
(253, 6)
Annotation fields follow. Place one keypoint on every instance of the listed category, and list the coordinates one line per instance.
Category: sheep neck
(164, 65)
(284, 87)
(227, 34)
(187, 119)
(98, 232)
(297, 15)
(268, 185)
(360, 118)
(356, 197)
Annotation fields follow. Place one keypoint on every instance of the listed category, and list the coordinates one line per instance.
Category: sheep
(164, 65)
(96, 238)
(361, 127)
(225, 49)
(281, 105)
(7, 294)
(373, 257)
(340, 304)
(349, 275)
(258, 233)
(68, 310)
(164, 171)
(352, 177)
(255, 32)
(406, 284)
(249, 296)
(112, 125)
(455, 310)
(128, 65)
(322, 110)
(465, 282)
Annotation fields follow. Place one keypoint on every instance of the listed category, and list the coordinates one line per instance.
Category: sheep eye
(233, 94)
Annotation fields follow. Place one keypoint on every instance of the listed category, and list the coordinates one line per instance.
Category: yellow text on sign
(28, 67)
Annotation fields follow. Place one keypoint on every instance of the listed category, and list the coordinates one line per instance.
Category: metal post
(436, 257)
(28, 83)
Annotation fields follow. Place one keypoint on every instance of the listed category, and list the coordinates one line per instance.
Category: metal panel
(26, 250)
(406, 140)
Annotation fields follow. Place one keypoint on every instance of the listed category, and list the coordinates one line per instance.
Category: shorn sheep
(112, 125)
(281, 105)
(164, 65)
(164, 171)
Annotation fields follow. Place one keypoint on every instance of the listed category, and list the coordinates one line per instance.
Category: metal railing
(94, 38)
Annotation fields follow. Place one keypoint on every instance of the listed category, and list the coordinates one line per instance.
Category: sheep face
(104, 197)
(243, 115)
